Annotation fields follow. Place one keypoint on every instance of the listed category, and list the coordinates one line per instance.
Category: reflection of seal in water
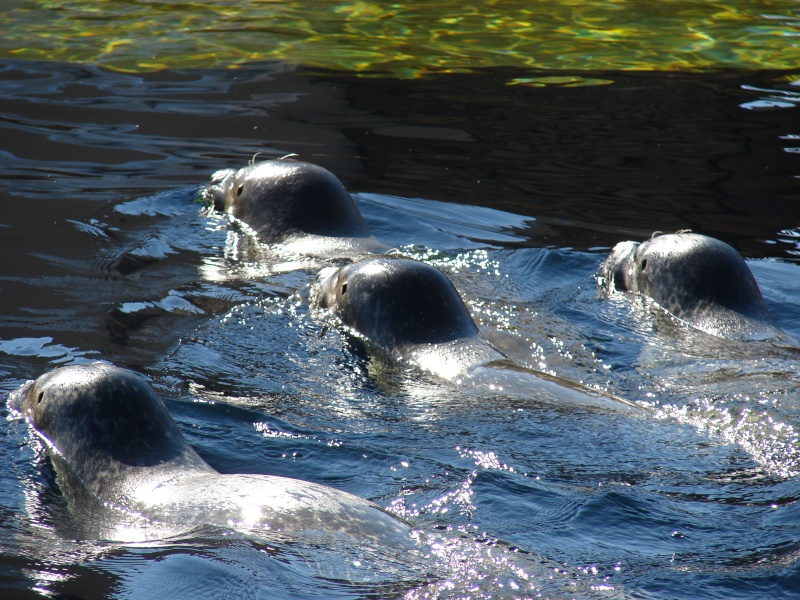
(412, 312)
(287, 202)
(114, 436)
(701, 280)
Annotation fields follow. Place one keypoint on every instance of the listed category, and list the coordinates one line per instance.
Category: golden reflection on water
(408, 39)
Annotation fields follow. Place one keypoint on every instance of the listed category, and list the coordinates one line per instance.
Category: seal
(113, 437)
(410, 311)
(292, 203)
(395, 303)
(698, 279)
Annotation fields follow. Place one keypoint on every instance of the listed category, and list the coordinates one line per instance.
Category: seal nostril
(239, 190)
(644, 264)
(41, 397)
(344, 288)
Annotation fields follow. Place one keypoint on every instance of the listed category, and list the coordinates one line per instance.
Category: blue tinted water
(697, 497)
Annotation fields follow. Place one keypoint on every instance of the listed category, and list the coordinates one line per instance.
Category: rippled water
(408, 39)
(517, 192)
(693, 499)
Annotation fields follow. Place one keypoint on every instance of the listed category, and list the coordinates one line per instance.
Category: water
(516, 182)
(409, 39)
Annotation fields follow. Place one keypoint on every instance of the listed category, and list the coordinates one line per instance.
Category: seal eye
(40, 398)
(644, 264)
(344, 288)
(239, 190)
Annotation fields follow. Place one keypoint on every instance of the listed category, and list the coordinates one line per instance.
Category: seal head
(394, 302)
(283, 198)
(107, 424)
(696, 278)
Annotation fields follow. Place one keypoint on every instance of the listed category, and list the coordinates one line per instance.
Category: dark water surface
(517, 192)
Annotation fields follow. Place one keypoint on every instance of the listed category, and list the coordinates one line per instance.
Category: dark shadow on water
(595, 163)
(652, 151)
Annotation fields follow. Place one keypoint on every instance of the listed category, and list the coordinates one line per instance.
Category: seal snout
(18, 400)
(219, 188)
(323, 290)
(615, 269)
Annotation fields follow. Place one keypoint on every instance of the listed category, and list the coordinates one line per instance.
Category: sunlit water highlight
(409, 39)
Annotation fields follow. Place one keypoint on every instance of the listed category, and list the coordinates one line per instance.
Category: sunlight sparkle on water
(410, 39)
(486, 460)
(771, 443)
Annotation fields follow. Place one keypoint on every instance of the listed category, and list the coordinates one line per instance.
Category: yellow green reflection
(408, 39)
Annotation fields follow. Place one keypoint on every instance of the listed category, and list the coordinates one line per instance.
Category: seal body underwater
(113, 436)
(696, 278)
(292, 202)
(411, 312)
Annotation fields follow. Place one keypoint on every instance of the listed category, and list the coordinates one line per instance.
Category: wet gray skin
(110, 434)
(412, 312)
(395, 302)
(699, 279)
(283, 200)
